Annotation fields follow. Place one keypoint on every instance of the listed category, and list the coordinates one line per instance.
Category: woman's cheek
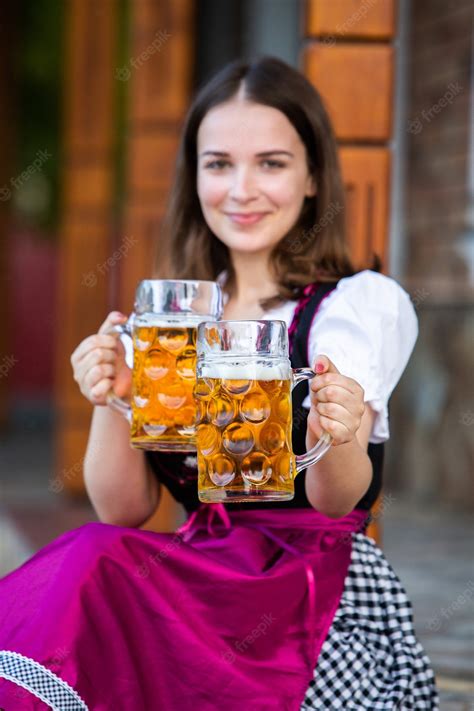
(285, 192)
(212, 192)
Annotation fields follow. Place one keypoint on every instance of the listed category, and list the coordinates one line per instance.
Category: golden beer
(164, 375)
(244, 381)
(163, 328)
(244, 437)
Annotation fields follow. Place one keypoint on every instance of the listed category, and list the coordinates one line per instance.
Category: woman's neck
(253, 283)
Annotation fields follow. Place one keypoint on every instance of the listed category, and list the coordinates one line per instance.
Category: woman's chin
(251, 250)
(248, 244)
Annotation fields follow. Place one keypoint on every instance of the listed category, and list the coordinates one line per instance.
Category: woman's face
(252, 175)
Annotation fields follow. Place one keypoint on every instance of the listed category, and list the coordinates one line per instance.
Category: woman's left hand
(337, 403)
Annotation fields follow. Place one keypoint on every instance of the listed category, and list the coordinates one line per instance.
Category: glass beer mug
(163, 327)
(244, 413)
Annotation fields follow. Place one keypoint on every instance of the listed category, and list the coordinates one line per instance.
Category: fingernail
(319, 368)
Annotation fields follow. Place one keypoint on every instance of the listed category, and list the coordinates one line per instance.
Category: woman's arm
(121, 488)
(120, 485)
(340, 479)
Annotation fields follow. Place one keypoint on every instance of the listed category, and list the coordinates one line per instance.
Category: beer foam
(180, 321)
(245, 371)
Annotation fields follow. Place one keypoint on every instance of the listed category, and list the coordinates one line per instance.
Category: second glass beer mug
(244, 413)
(163, 327)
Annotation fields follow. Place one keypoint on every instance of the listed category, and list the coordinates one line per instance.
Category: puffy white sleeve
(367, 327)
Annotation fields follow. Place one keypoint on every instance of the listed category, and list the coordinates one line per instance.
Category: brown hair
(315, 249)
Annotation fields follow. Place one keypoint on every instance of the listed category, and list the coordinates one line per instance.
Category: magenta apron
(229, 612)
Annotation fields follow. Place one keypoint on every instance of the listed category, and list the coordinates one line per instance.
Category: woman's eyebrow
(259, 155)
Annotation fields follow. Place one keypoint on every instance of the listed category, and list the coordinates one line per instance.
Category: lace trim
(40, 681)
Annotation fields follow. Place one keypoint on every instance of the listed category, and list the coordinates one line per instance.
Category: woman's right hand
(99, 364)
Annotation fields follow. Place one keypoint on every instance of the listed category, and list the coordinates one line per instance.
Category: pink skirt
(229, 612)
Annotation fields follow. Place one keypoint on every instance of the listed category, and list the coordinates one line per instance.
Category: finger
(322, 364)
(99, 392)
(333, 393)
(98, 373)
(90, 343)
(96, 357)
(338, 431)
(336, 412)
(313, 423)
(114, 318)
(321, 381)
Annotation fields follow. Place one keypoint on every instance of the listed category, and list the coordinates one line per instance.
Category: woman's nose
(243, 185)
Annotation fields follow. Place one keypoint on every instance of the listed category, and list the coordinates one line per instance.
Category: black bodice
(178, 472)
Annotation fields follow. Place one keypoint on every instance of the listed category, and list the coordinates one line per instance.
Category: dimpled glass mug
(163, 326)
(244, 413)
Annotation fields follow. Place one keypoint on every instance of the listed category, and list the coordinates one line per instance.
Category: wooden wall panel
(161, 67)
(366, 173)
(161, 56)
(85, 234)
(159, 96)
(372, 19)
(86, 185)
(355, 81)
(151, 163)
(89, 82)
(142, 225)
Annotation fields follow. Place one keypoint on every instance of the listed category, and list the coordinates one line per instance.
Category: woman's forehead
(238, 125)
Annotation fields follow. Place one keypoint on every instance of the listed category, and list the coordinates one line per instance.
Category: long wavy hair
(315, 248)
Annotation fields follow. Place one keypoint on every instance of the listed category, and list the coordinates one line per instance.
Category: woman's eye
(217, 164)
(221, 163)
(274, 163)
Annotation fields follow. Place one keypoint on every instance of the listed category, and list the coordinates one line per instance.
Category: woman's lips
(249, 219)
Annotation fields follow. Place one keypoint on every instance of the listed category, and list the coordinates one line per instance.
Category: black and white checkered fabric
(371, 658)
(39, 681)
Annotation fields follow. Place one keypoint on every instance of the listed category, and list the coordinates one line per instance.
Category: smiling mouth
(246, 218)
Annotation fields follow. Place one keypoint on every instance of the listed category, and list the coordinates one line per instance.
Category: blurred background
(92, 98)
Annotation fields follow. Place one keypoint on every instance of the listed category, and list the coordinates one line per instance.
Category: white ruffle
(367, 327)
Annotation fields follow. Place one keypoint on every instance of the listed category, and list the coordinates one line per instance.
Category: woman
(282, 606)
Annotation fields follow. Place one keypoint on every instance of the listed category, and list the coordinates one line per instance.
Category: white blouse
(367, 327)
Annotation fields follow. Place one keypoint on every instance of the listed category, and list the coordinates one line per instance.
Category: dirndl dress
(232, 611)
(247, 606)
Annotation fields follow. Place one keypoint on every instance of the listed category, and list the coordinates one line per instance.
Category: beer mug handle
(114, 401)
(324, 443)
